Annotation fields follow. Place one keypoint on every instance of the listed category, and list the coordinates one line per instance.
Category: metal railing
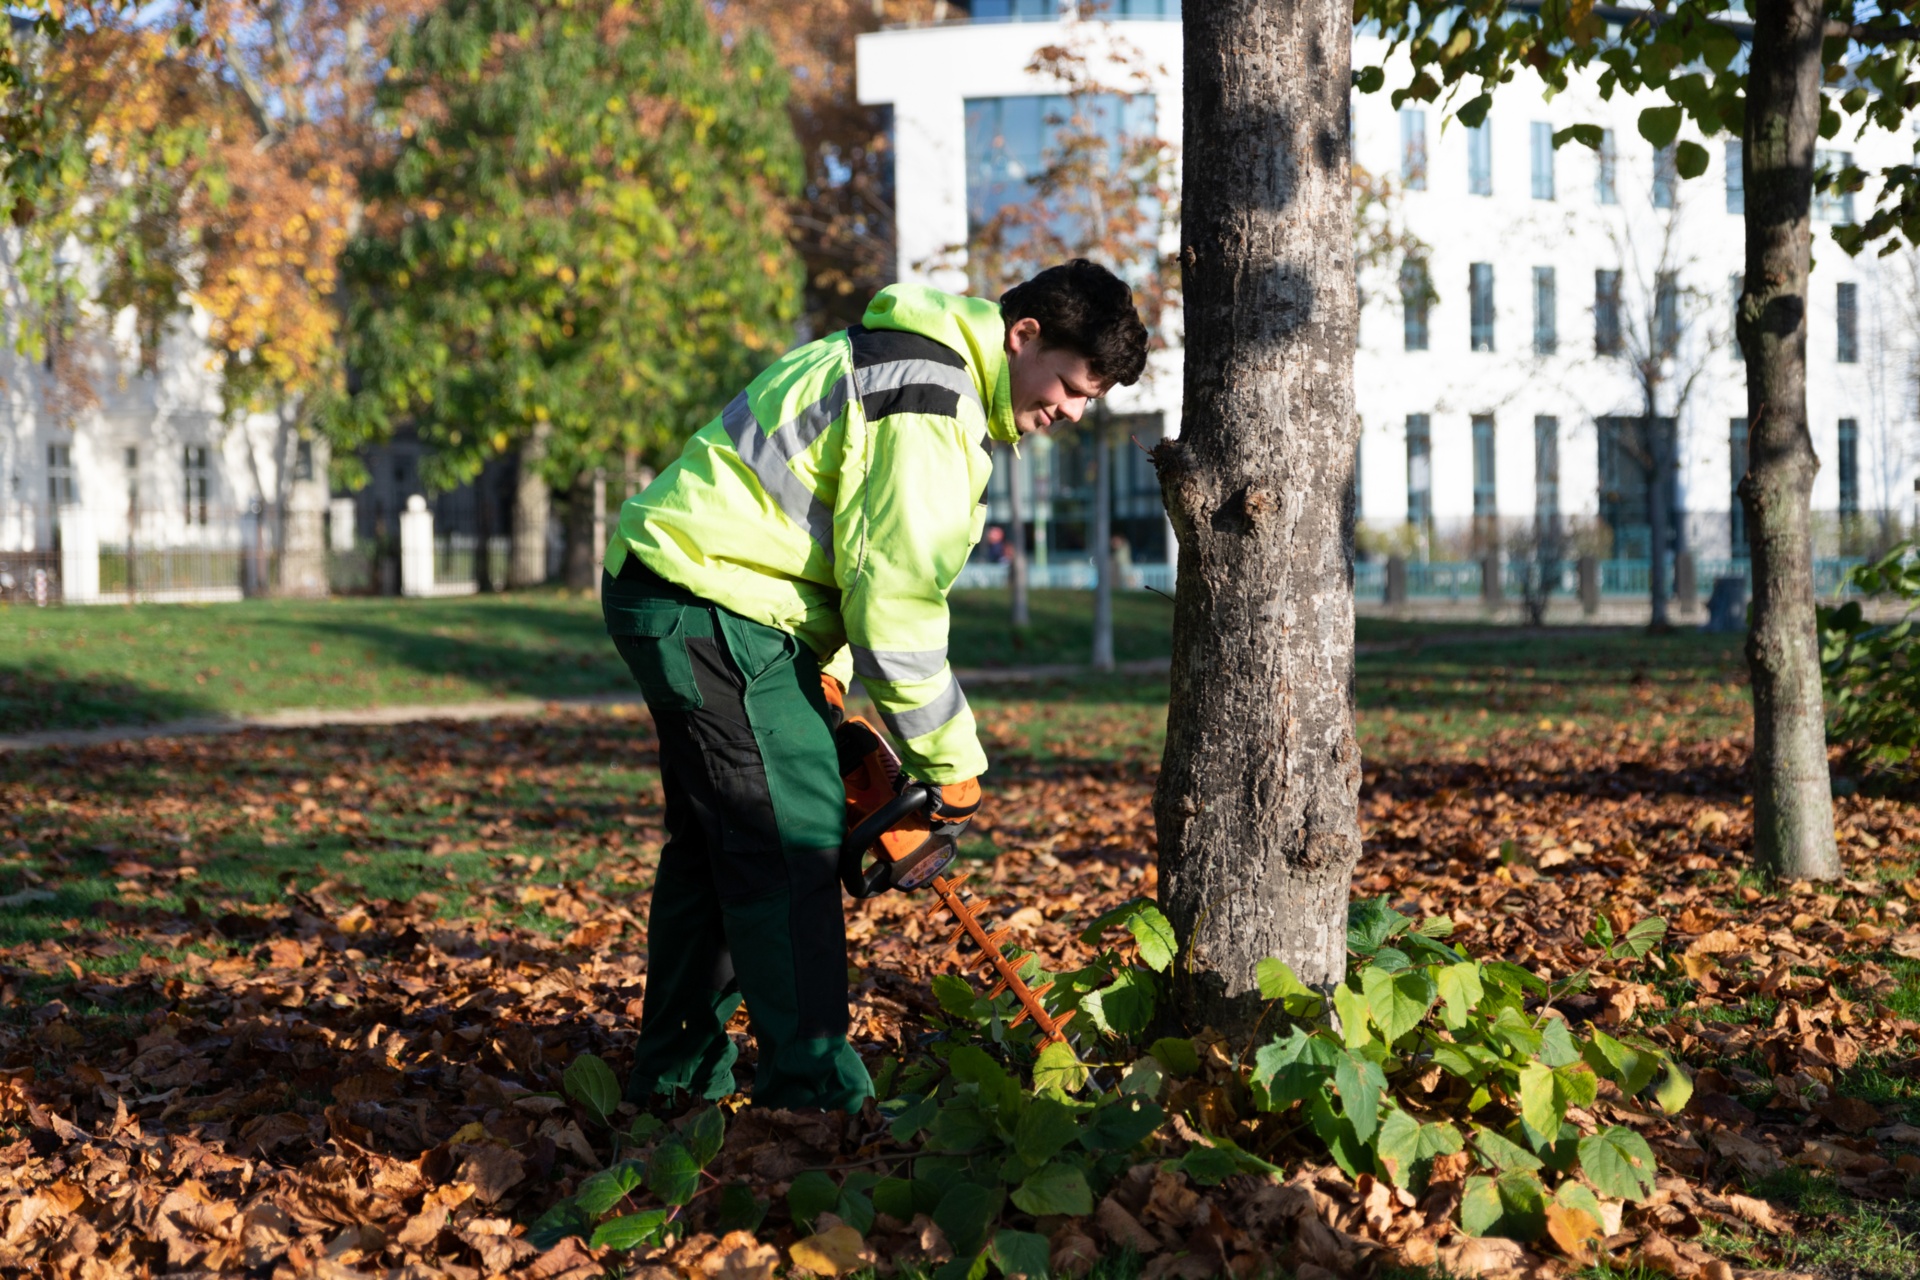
(1070, 575)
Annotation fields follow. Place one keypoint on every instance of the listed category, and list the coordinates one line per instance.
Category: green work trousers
(747, 901)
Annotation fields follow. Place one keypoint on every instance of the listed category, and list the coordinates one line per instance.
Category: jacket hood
(971, 326)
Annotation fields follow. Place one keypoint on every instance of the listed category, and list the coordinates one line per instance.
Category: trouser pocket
(652, 638)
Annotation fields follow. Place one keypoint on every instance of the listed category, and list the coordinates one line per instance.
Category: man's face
(1049, 383)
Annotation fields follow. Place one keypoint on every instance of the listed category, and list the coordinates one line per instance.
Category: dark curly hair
(1087, 309)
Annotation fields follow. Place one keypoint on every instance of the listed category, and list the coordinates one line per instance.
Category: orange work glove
(958, 801)
(836, 699)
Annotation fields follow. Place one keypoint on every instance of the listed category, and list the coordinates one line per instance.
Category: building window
(1736, 177)
(1011, 142)
(1413, 148)
(59, 474)
(1739, 282)
(1606, 313)
(1666, 313)
(1480, 159)
(132, 465)
(1485, 497)
(1546, 473)
(1846, 315)
(1666, 178)
(1605, 163)
(1546, 312)
(1737, 467)
(1416, 299)
(1021, 10)
(1419, 470)
(1480, 294)
(1830, 205)
(193, 465)
(1541, 136)
(1849, 467)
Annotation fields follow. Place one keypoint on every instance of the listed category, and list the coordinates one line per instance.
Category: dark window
(1480, 294)
(1666, 313)
(1830, 205)
(1627, 447)
(1011, 141)
(59, 473)
(303, 460)
(1546, 472)
(1605, 163)
(1737, 460)
(193, 465)
(1541, 136)
(1546, 312)
(1736, 178)
(1485, 494)
(1419, 469)
(1666, 178)
(1606, 313)
(1416, 298)
(1015, 10)
(1849, 467)
(1846, 314)
(1480, 160)
(1413, 148)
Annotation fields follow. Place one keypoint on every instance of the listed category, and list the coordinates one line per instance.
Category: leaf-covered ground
(300, 1003)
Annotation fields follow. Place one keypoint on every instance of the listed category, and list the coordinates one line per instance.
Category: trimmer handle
(871, 882)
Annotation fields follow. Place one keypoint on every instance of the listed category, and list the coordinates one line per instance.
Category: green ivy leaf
(965, 1212)
(1577, 1195)
(811, 1194)
(1459, 985)
(1351, 1006)
(955, 994)
(915, 1118)
(1126, 1007)
(1557, 1046)
(1121, 1124)
(1397, 1001)
(973, 1065)
(1046, 1125)
(1407, 1149)
(1055, 1188)
(1674, 1091)
(562, 1220)
(1619, 1162)
(1361, 1084)
(590, 1082)
(1058, 1071)
(631, 1231)
(1149, 927)
(1278, 981)
(1178, 1056)
(1540, 1105)
(1629, 1068)
(672, 1173)
(605, 1189)
(1470, 1062)
(1513, 1205)
(1501, 1153)
(705, 1134)
(1020, 1255)
(1348, 1150)
(1643, 937)
(1370, 923)
(741, 1210)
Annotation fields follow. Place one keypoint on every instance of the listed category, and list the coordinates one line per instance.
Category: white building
(1495, 407)
(105, 455)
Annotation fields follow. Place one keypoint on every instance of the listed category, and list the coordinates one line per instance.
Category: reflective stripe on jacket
(837, 497)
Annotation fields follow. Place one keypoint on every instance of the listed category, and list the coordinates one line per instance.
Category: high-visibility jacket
(837, 497)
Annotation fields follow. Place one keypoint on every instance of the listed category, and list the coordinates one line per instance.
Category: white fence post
(341, 521)
(416, 548)
(79, 556)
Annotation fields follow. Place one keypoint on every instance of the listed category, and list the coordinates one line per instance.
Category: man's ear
(1021, 332)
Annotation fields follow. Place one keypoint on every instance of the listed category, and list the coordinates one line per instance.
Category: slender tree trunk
(532, 508)
(1102, 544)
(581, 522)
(1019, 617)
(1257, 804)
(1792, 798)
(1657, 582)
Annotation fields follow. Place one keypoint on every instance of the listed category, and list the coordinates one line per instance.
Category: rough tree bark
(1256, 807)
(1792, 796)
(532, 508)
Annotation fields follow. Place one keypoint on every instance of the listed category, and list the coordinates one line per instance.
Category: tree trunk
(532, 508)
(1019, 617)
(1657, 491)
(1257, 804)
(582, 555)
(1102, 544)
(1792, 797)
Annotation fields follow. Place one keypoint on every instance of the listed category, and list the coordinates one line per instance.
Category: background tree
(579, 250)
(1808, 68)
(1257, 803)
(1101, 191)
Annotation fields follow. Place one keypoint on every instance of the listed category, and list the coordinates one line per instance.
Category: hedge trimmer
(891, 816)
